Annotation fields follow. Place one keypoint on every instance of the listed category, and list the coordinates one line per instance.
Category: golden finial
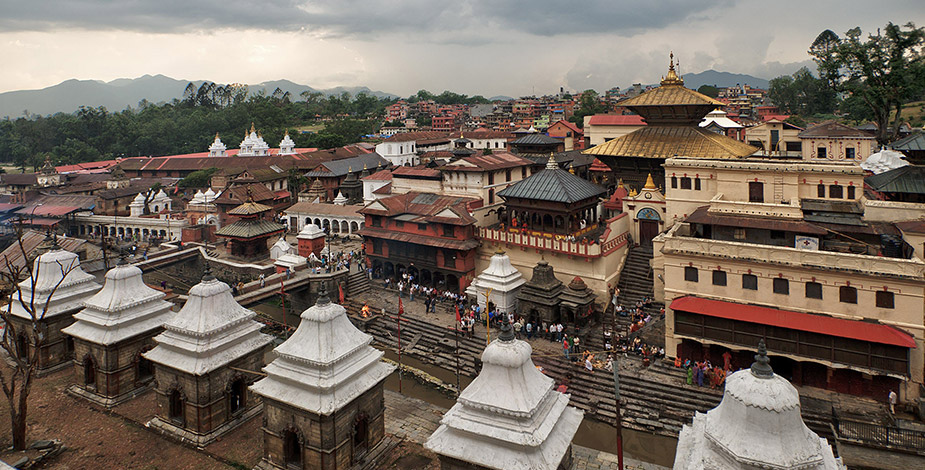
(672, 78)
(571, 168)
(216, 136)
(499, 251)
(364, 167)
(650, 184)
(349, 169)
(287, 132)
(252, 127)
(620, 184)
(633, 193)
(551, 164)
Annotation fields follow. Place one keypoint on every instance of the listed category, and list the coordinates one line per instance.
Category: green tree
(885, 70)
(802, 94)
(709, 90)
(198, 178)
(588, 105)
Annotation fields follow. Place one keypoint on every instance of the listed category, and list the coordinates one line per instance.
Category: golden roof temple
(672, 113)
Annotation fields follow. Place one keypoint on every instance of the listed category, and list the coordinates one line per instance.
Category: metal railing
(876, 435)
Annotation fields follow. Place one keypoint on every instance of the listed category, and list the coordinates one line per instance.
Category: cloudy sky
(488, 47)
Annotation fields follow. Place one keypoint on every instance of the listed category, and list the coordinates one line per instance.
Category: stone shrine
(577, 305)
(56, 289)
(311, 241)
(538, 299)
(502, 280)
(509, 418)
(324, 405)
(117, 325)
(757, 426)
(202, 391)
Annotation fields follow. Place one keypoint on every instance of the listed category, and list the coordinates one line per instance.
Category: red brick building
(428, 236)
(571, 134)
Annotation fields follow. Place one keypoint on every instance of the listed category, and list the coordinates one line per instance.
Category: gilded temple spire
(672, 78)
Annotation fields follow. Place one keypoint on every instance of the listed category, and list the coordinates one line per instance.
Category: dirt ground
(97, 439)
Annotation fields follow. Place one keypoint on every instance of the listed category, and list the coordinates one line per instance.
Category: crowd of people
(704, 373)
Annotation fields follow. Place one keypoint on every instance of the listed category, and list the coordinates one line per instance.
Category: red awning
(821, 324)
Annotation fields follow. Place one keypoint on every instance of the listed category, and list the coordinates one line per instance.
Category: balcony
(720, 206)
(676, 242)
(614, 235)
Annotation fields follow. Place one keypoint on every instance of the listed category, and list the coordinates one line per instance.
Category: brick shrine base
(415, 420)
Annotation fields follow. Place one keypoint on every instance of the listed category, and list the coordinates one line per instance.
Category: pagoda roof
(536, 139)
(554, 185)
(911, 142)
(673, 141)
(210, 331)
(909, 179)
(250, 229)
(670, 95)
(250, 208)
(124, 308)
(325, 364)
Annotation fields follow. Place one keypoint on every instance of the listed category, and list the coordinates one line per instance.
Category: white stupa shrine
(883, 161)
(253, 145)
(280, 248)
(503, 281)
(325, 371)
(198, 360)
(137, 206)
(121, 320)
(757, 426)
(509, 418)
(287, 146)
(340, 200)
(59, 290)
(217, 149)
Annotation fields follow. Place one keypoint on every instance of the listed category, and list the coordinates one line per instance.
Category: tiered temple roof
(123, 309)
(325, 364)
(210, 331)
(509, 417)
(60, 286)
(553, 184)
(672, 113)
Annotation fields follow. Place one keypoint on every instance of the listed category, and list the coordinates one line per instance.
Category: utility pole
(616, 388)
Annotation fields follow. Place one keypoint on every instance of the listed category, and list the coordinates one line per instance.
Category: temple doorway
(292, 452)
(175, 407)
(89, 372)
(238, 395)
(648, 229)
(360, 436)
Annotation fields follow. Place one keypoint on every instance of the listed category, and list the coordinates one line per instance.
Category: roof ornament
(571, 168)
(551, 164)
(672, 78)
(499, 251)
(650, 183)
(207, 274)
(252, 127)
(323, 298)
(54, 241)
(761, 368)
(507, 331)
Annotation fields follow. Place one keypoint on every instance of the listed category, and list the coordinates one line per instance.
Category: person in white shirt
(893, 400)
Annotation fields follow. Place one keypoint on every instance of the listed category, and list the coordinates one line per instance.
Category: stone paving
(415, 420)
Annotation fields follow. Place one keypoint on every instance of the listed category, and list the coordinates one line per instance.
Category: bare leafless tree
(16, 379)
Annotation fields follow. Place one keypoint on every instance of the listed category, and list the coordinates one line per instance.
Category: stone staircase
(357, 282)
(635, 284)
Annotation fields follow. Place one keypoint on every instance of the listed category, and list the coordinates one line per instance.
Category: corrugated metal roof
(536, 139)
(908, 179)
(673, 141)
(355, 164)
(250, 229)
(913, 142)
(834, 129)
(553, 185)
(670, 95)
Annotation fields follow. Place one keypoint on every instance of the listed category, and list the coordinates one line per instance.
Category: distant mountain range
(722, 80)
(116, 95)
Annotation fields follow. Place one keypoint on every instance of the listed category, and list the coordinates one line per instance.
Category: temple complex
(118, 324)
(757, 426)
(672, 114)
(500, 281)
(509, 418)
(249, 234)
(323, 394)
(55, 290)
(202, 392)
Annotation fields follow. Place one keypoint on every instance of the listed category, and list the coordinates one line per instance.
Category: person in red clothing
(565, 348)
(727, 361)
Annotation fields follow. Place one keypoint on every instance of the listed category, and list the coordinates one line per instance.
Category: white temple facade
(137, 206)
(253, 145)
(287, 146)
(201, 391)
(502, 280)
(340, 200)
(217, 149)
(280, 248)
(117, 325)
(59, 289)
(325, 371)
(509, 418)
(757, 426)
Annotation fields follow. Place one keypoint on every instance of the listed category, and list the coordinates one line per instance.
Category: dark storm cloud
(491, 19)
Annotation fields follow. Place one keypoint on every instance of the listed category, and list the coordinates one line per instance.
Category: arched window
(238, 395)
(175, 406)
(89, 372)
(292, 450)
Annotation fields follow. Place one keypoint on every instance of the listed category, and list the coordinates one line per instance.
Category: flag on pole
(401, 309)
(458, 319)
(340, 293)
